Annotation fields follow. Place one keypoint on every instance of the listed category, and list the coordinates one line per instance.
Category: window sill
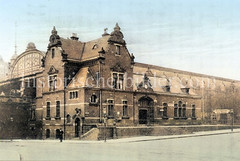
(165, 118)
(57, 118)
(125, 117)
(93, 103)
(48, 118)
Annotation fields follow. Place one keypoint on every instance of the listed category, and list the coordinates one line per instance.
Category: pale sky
(200, 36)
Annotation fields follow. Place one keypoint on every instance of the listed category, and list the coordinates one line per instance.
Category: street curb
(179, 137)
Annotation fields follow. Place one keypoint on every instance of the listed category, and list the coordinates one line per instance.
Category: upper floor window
(53, 53)
(48, 110)
(57, 109)
(118, 50)
(93, 99)
(73, 95)
(110, 108)
(52, 82)
(125, 108)
(118, 80)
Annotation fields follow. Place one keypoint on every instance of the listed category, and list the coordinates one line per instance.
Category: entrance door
(142, 116)
(77, 127)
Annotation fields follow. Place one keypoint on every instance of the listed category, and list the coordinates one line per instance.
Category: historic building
(83, 85)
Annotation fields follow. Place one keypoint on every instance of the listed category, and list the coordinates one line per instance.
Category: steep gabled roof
(84, 50)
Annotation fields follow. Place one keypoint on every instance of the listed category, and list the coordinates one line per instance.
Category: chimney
(74, 37)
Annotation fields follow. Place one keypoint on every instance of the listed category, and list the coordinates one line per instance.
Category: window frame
(52, 82)
(110, 108)
(48, 110)
(73, 95)
(118, 80)
(58, 110)
(125, 112)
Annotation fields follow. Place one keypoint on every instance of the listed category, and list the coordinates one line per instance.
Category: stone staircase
(91, 134)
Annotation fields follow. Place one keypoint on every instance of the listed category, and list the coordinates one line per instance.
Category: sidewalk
(195, 134)
(133, 139)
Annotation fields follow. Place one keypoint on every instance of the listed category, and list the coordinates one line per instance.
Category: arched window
(68, 118)
(57, 133)
(180, 109)
(175, 110)
(47, 133)
(193, 111)
(93, 99)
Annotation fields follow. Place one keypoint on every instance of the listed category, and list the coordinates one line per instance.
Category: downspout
(100, 95)
(64, 106)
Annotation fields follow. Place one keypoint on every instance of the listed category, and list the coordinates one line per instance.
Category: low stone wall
(123, 132)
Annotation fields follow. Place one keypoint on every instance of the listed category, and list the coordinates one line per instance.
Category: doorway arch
(146, 110)
(77, 127)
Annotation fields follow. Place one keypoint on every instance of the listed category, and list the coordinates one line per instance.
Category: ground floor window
(125, 108)
(193, 111)
(48, 133)
(165, 105)
(110, 108)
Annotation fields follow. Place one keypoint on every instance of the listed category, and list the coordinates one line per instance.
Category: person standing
(61, 135)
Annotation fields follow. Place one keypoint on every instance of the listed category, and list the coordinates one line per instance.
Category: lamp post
(105, 123)
(11, 119)
(231, 112)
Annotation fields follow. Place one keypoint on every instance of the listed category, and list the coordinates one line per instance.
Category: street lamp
(231, 112)
(105, 123)
(11, 119)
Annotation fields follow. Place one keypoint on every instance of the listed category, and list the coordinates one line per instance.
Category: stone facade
(85, 85)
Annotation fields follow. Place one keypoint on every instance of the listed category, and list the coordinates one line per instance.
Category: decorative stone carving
(54, 39)
(117, 36)
(145, 85)
(118, 68)
(52, 70)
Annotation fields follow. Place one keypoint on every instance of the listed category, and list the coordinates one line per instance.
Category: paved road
(223, 147)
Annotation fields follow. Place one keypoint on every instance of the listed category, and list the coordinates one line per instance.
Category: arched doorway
(77, 127)
(57, 134)
(146, 110)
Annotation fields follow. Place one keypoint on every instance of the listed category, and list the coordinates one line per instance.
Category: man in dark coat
(61, 135)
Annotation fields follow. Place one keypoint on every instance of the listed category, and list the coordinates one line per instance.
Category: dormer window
(53, 53)
(185, 90)
(167, 88)
(118, 50)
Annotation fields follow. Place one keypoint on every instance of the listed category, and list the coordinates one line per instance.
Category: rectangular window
(52, 82)
(73, 95)
(118, 79)
(48, 109)
(125, 108)
(110, 108)
(115, 78)
(193, 111)
(118, 50)
(53, 53)
(57, 108)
